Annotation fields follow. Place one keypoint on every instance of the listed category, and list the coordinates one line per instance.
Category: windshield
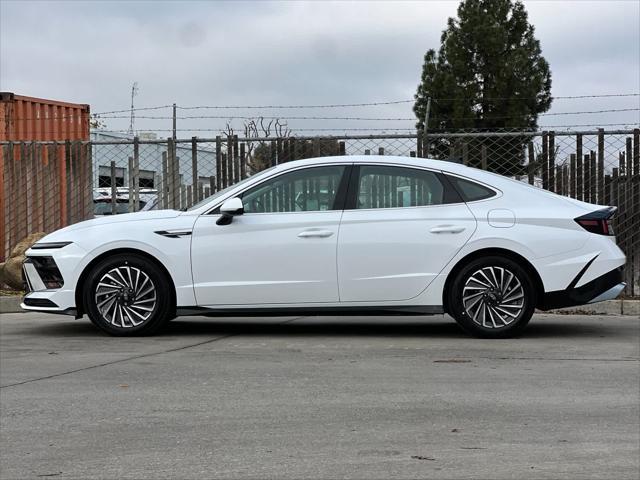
(225, 190)
(103, 207)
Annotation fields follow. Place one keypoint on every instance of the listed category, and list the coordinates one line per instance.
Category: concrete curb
(10, 304)
(616, 307)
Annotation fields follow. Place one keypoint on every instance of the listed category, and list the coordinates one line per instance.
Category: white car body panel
(392, 254)
(373, 258)
(269, 258)
(93, 238)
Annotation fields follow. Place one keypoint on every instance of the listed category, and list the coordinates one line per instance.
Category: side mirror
(230, 209)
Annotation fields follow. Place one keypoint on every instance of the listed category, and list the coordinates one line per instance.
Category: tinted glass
(225, 190)
(104, 207)
(471, 191)
(393, 187)
(306, 190)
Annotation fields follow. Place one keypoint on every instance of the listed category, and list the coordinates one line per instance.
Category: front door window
(306, 190)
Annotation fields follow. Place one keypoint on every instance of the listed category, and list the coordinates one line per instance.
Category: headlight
(49, 245)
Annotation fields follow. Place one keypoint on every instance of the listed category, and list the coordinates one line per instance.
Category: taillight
(599, 222)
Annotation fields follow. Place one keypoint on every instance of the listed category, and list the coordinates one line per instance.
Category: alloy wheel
(125, 296)
(493, 297)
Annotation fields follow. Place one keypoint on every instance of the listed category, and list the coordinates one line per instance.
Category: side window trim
(216, 209)
(352, 192)
(343, 188)
(451, 193)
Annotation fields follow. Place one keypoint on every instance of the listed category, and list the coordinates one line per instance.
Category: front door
(403, 227)
(282, 250)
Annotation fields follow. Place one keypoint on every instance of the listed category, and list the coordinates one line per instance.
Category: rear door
(400, 228)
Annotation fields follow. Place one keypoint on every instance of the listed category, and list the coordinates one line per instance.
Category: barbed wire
(380, 130)
(377, 119)
(629, 125)
(138, 109)
(395, 102)
(335, 105)
(408, 130)
(245, 117)
(331, 105)
(222, 129)
(567, 97)
(364, 104)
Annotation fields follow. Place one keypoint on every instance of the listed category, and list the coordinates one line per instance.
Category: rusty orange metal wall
(26, 119)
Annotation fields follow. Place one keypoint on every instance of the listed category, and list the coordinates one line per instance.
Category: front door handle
(315, 234)
(447, 229)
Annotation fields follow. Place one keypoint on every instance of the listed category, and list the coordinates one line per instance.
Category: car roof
(493, 180)
(386, 159)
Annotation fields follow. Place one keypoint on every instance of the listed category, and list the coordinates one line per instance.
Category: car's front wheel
(492, 297)
(128, 295)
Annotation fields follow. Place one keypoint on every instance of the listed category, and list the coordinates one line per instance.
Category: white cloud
(286, 52)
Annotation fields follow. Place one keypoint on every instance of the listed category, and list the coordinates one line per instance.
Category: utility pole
(174, 121)
(425, 133)
(132, 123)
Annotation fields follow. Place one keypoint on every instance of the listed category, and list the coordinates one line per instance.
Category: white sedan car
(338, 235)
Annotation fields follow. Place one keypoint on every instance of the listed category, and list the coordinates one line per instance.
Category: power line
(139, 109)
(568, 97)
(109, 114)
(571, 97)
(336, 105)
(395, 102)
(387, 119)
(240, 117)
(372, 129)
(221, 129)
(364, 104)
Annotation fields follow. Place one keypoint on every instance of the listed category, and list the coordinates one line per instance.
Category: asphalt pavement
(308, 397)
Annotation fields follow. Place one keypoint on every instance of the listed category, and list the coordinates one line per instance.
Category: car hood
(111, 219)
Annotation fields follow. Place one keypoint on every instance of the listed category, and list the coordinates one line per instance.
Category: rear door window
(382, 186)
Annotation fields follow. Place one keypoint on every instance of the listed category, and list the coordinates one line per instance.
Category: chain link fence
(47, 185)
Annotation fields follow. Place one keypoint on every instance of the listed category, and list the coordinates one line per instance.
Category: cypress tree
(489, 74)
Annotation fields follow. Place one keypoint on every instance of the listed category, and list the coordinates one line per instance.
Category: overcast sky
(266, 53)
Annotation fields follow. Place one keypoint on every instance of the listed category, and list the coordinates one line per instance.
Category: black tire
(133, 311)
(496, 313)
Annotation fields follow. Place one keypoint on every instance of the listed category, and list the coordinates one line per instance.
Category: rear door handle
(315, 234)
(447, 229)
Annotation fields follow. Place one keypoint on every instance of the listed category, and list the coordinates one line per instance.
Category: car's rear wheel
(128, 295)
(492, 297)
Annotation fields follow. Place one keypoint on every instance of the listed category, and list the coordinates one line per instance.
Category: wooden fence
(44, 186)
(48, 185)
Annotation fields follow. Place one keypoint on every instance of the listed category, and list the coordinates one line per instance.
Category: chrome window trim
(302, 167)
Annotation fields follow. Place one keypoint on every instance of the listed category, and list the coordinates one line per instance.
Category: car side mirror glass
(230, 209)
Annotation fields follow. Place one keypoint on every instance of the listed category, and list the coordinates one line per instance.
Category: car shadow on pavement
(427, 327)
(377, 327)
(330, 328)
